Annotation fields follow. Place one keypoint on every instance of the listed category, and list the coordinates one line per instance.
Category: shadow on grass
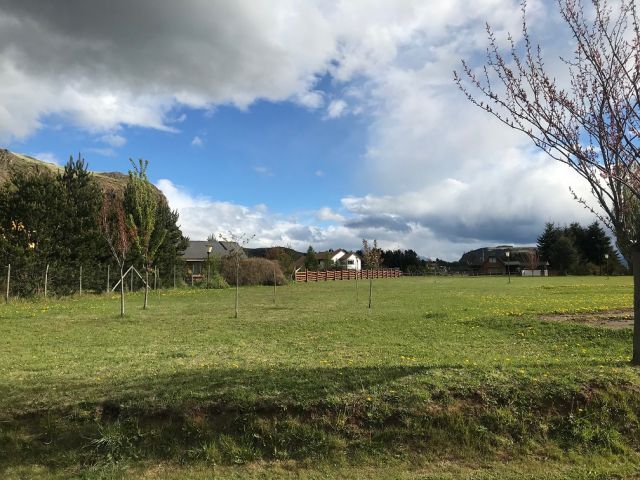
(237, 415)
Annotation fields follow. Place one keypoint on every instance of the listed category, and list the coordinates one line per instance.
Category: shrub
(253, 271)
(216, 281)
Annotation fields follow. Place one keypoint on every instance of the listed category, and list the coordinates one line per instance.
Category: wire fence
(23, 280)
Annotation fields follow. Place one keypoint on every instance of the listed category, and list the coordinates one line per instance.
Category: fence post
(155, 279)
(46, 278)
(306, 275)
(108, 279)
(357, 282)
(370, 287)
(6, 298)
(80, 279)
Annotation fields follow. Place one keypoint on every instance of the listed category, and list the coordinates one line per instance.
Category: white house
(348, 260)
(351, 261)
(340, 257)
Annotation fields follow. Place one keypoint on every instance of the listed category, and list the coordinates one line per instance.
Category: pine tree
(563, 255)
(546, 240)
(311, 261)
(598, 244)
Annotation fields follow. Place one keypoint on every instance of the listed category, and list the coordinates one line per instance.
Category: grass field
(442, 378)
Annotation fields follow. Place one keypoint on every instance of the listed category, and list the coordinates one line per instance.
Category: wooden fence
(326, 275)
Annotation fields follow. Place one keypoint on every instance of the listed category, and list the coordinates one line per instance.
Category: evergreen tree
(82, 206)
(546, 241)
(563, 255)
(168, 255)
(597, 245)
(33, 218)
(310, 260)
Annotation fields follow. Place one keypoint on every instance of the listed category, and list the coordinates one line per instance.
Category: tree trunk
(237, 284)
(635, 262)
(122, 290)
(146, 287)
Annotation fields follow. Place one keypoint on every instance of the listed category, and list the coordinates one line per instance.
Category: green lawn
(444, 376)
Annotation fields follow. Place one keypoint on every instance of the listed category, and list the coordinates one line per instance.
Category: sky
(296, 122)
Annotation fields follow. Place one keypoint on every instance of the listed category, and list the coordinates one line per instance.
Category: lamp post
(209, 266)
(606, 266)
(508, 254)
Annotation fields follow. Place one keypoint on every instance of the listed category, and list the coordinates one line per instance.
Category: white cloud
(114, 140)
(442, 175)
(336, 108)
(179, 119)
(131, 63)
(326, 214)
(197, 141)
(103, 152)
(48, 157)
(201, 216)
(312, 100)
(416, 220)
(190, 53)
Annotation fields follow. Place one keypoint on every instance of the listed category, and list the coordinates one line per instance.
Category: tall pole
(122, 288)
(6, 298)
(108, 282)
(80, 279)
(174, 276)
(606, 258)
(370, 286)
(208, 269)
(237, 282)
(508, 254)
(46, 278)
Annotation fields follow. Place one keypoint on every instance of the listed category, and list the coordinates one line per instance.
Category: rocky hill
(14, 163)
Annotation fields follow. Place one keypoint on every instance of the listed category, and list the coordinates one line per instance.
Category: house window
(350, 262)
(196, 268)
(492, 260)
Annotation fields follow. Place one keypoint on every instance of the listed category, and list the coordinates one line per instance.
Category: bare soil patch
(616, 319)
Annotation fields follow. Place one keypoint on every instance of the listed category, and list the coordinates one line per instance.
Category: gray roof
(197, 249)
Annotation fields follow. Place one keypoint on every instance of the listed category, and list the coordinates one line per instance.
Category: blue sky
(269, 153)
(300, 122)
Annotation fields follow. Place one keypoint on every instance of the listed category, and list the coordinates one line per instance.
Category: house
(339, 258)
(199, 251)
(503, 260)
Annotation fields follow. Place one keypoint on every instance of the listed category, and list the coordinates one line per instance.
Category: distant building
(503, 260)
(195, 255)
(339, 258)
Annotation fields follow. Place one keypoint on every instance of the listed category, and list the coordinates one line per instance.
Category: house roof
(328, 254)
(197, 249)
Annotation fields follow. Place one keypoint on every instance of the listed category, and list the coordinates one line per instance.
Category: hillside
(262, 252)
(14, 163)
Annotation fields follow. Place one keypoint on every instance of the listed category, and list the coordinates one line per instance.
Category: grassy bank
(442, 377)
